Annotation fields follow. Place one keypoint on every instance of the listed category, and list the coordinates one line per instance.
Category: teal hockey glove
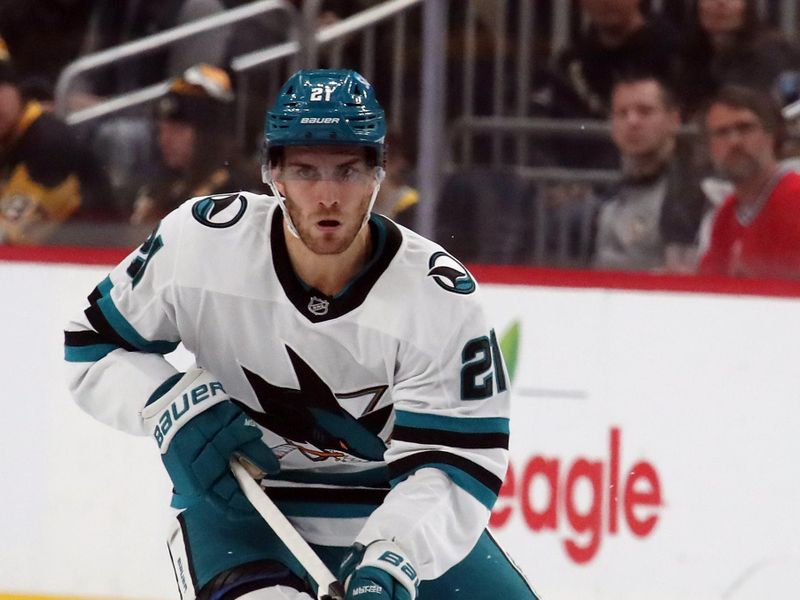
(198, 429)
(379, 571)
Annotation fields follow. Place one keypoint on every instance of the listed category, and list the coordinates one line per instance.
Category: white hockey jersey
(387, 405)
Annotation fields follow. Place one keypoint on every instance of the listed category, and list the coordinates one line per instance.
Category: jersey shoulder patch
(449, 274)
(220, 211)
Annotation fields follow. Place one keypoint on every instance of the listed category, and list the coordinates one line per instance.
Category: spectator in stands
(650, 221)
(756, 231)
(620, 39)
(46, 176)
(729, 45)
(196, 156)
(397, 199)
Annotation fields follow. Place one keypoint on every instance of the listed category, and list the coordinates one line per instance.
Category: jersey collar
(317, 306)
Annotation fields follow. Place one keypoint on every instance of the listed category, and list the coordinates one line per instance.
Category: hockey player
(346, 357)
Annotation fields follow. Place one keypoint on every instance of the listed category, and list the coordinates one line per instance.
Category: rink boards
(654, 442)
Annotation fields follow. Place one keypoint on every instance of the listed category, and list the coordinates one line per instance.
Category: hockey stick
(328, 588)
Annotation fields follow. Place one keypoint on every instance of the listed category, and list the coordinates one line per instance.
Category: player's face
(327, 191)
(10, 109)
(176, 142)
(739, 145)
(641, 122)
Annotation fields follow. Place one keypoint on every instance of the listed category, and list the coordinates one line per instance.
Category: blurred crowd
(704, 160)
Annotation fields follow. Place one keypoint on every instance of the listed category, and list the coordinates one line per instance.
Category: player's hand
(379, 571)
(198, 429)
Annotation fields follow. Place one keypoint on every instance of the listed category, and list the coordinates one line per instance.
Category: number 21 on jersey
(482, 368)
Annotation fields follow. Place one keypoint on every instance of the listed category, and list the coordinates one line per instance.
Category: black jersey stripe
(77, 339)
(106, 319)
(402, 468)
(439, 437)
(327, 495)
(377, 477)
(101, 325)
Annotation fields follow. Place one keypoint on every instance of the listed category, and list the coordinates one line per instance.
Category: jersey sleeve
(449, 449)
(114, 348)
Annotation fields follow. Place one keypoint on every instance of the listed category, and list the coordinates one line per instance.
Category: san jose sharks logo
(450, 274)
(312, 415)
(219, 211)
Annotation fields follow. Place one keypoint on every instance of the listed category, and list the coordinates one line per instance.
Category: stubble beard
(322, 243)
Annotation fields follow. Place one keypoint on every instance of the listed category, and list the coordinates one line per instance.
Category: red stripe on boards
(496, 274)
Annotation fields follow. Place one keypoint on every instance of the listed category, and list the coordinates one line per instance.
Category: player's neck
(329, 273)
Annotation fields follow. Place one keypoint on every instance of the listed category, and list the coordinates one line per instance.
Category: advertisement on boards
(653, 448)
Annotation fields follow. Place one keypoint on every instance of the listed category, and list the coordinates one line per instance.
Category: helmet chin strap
(379, 175)
(266, 177)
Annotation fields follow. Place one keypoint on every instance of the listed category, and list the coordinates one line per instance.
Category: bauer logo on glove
(378, 571)
(166, 410)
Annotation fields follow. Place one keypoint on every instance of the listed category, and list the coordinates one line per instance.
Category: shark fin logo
(450, 274)
(312, 415)
(222, 210)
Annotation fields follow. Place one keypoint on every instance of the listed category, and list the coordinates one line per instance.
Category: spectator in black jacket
(620, 39)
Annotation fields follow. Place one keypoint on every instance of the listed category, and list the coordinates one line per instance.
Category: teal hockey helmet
(326, 106)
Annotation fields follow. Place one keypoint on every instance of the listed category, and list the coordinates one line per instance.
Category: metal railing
(330, 37)
(507, 83)
(552, 224)
(560, 230)
(138, 48)
(302, 49)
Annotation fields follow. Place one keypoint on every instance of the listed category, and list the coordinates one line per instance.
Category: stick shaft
(329, 587)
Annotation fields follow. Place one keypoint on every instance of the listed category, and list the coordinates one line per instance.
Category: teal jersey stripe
(91, 353)
(462, 479)
(125, 330)
(325, 510)
(454, 424)
(369, 477)
(105, 286)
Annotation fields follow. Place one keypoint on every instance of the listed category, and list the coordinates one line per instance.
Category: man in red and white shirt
(756, 232)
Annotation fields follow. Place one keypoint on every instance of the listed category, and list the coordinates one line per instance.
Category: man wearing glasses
(756, 232)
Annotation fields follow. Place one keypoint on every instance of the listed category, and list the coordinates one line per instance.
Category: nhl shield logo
(318, 306)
